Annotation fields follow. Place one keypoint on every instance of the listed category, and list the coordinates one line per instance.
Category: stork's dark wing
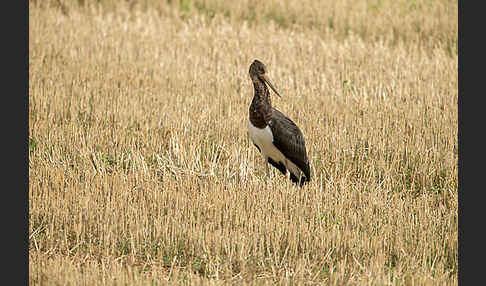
(288, 138)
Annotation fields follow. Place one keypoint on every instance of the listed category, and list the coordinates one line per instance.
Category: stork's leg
(267, 171)
(289, 173)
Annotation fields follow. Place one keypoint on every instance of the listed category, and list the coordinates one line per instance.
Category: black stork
(275, 135)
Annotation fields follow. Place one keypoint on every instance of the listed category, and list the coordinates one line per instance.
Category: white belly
(263, 138)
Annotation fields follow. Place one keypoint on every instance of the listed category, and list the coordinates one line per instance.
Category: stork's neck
(261, 107)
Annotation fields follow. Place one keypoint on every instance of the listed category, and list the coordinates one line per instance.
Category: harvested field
(141, 171)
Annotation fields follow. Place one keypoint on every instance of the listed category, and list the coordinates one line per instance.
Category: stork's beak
(265, 79)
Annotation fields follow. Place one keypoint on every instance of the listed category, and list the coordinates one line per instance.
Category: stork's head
(258, 71)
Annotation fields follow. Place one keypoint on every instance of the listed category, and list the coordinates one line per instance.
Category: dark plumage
(275, 135)
(288, 138)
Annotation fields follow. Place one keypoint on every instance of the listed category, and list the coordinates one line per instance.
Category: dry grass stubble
(141, 171)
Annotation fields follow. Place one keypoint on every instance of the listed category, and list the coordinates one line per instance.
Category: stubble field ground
(140, 167)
